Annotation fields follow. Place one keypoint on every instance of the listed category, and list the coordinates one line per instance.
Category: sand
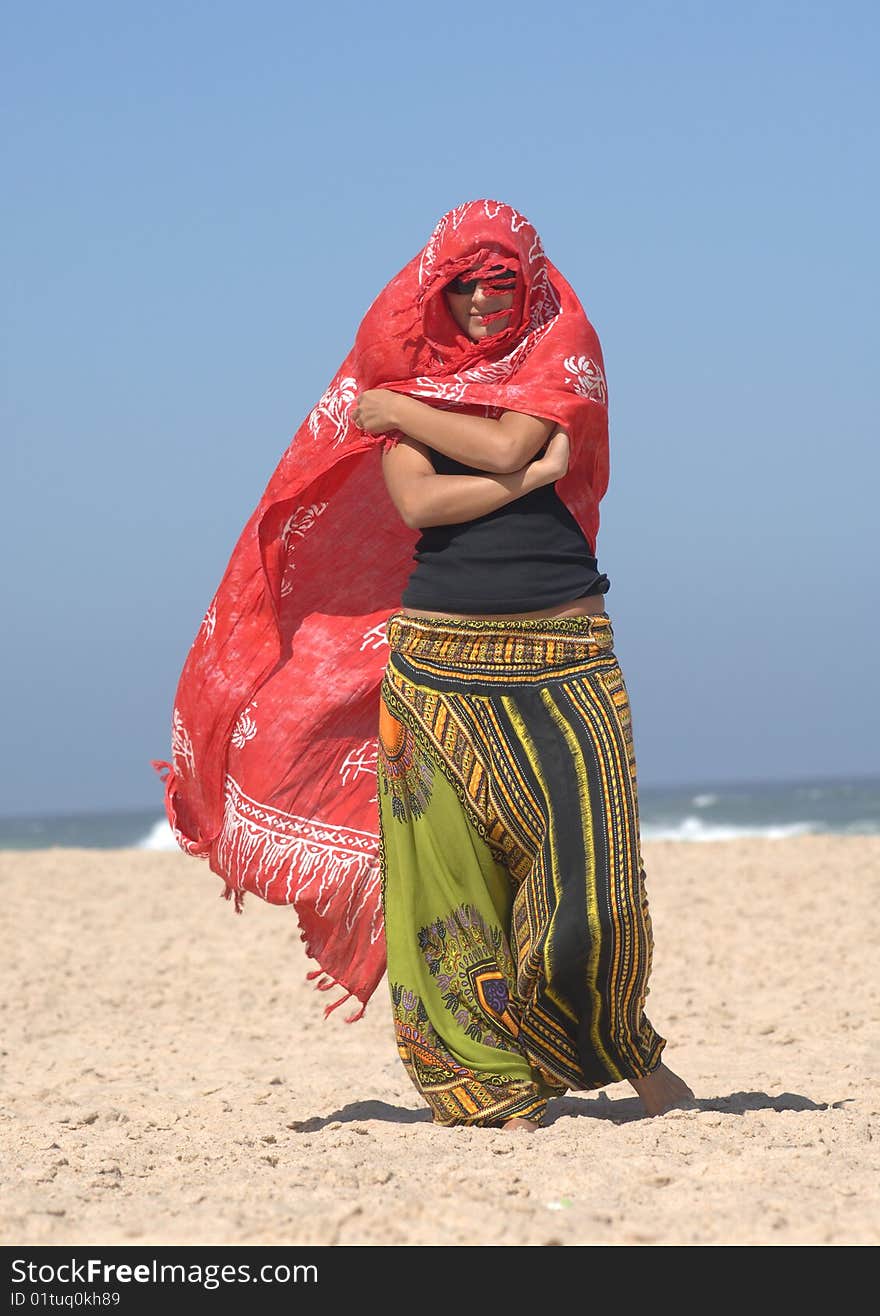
(169, 1077)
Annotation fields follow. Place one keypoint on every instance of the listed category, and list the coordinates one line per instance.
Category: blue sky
(202, 201)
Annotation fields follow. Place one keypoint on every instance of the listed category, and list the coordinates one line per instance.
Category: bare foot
(517, 1125)
(661, 1090)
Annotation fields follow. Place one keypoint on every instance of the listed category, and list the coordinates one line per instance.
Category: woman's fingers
(365, 412)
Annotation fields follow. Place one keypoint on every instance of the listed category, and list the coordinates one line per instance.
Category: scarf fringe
(232, 893)
(315, 868)
(324, 984)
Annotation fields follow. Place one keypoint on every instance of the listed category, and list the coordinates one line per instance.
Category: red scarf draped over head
(275, 719)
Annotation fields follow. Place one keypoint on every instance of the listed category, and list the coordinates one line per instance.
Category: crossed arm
(501, 449)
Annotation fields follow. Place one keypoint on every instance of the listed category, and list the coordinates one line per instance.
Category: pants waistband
(521, 641)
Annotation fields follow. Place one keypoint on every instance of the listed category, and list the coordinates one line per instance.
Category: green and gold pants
(517, 925)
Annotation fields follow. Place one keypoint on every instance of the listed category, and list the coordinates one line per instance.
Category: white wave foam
(159, 837)
(691, 828)
(703, 801)
(695, 829)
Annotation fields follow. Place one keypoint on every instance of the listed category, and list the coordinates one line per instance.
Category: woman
(489, 1009)
(513, 910)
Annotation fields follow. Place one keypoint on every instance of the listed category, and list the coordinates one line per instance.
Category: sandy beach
(169, 1077)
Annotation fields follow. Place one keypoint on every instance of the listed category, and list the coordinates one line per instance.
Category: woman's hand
(374, 411)
(554, 463)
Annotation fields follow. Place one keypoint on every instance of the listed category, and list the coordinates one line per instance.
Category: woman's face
(471, 301)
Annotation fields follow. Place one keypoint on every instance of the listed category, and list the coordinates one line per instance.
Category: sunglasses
(503, 280)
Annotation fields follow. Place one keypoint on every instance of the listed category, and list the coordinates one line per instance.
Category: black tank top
(523, 557)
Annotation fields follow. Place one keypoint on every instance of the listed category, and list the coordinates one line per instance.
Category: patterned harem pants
(517, 925)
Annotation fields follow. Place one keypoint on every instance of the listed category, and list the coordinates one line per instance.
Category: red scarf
(274, 728)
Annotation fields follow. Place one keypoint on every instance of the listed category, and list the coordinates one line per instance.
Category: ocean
(844, 807)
